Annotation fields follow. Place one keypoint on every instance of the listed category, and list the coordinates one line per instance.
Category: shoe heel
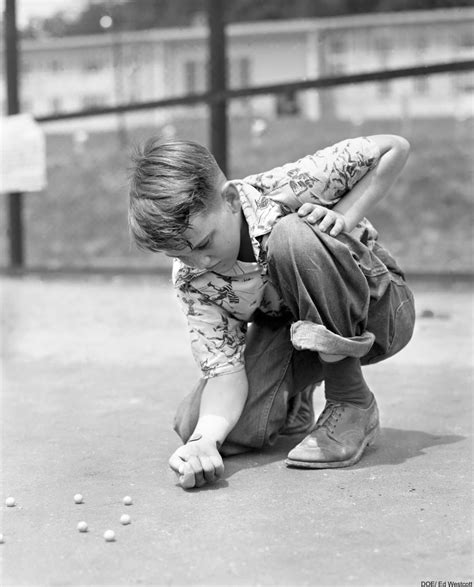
(373, 437)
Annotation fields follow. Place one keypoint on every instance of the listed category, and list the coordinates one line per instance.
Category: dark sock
(344, 382)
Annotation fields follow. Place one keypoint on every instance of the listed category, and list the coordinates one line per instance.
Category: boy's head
(181, 204)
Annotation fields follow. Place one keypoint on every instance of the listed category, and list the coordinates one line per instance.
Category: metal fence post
(218, 82)
(15, 203)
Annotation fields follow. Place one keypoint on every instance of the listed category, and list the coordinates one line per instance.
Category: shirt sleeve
(322, 178)
(217, 338)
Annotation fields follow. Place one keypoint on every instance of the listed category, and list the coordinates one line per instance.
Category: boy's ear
(230, 194)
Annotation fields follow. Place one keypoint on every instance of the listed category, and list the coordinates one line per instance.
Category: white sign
(23, 154)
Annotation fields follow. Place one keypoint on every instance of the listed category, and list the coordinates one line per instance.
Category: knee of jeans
(291, 233)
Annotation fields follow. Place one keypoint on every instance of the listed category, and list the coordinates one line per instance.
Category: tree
(147, 14)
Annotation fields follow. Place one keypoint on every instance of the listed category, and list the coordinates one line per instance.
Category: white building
(74, 73)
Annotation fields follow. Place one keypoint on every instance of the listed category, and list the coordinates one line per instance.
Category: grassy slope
(426, 221)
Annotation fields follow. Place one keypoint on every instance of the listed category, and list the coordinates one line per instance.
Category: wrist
(196, 436)
(213, 427)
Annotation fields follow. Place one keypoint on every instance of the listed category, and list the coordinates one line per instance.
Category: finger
(187, 479)
(196, 466)
(218, 465)
(316, 214)
(175, 463)
(208, 469)
(306, 209)
(338, 227)
(326, 222)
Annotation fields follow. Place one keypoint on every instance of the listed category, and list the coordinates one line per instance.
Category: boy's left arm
(350, 210)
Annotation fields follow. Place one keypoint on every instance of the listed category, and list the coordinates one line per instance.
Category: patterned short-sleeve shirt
(219, 307)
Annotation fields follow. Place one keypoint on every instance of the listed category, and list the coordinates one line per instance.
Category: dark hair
(171, 180)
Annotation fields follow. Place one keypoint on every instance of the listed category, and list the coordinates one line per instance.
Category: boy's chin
(220, 268)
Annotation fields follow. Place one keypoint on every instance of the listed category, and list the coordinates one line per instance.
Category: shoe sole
(369, 439)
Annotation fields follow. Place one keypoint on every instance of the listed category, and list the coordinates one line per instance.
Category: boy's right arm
(198, 461)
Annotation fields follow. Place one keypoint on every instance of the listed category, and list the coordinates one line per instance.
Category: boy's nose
(206, 262)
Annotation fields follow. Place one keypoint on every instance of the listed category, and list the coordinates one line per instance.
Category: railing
(227, 95)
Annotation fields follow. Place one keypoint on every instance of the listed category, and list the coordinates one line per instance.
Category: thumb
(176, 463)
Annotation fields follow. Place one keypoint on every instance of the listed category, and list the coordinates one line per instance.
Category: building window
(244, 63)
(26, 105)
(56, 65)
(382, 44)
(288, 104)
(466, 40)
(190, 77)
(25, 66)
(56, 105)
(336, 68)
(92, 65)
(337, 44)
(383, 48)
(195, 77)
(239, 73)
(421, 84)
(385, 89)
(464, 82)
(92, 101)
(421, 46)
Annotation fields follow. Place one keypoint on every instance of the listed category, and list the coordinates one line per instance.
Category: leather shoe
(339, 438)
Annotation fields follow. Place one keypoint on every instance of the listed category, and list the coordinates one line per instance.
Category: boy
(284, 285)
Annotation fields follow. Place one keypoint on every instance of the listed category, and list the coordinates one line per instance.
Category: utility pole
(15, 200)
(218, 82)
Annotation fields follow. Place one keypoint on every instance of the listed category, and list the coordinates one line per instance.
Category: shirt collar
(260, 212)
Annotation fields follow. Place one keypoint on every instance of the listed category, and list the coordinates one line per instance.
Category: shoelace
(330, 416)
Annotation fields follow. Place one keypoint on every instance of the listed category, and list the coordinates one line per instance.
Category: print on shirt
(224, 292)
(300, 182)
(218, 307)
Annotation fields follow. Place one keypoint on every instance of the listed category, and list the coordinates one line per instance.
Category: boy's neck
(246, 253)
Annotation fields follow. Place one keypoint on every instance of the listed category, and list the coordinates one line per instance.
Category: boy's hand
(325, 217)
(197, 462)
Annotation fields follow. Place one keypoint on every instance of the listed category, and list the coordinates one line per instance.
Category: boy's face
(214, 234)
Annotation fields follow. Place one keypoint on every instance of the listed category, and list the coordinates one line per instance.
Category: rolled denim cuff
(316, 337)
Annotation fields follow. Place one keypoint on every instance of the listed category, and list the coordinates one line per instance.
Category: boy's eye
(204, 245)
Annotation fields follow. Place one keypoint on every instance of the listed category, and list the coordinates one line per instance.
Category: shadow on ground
(393, 447)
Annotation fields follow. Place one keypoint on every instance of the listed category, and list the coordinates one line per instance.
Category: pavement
(92, 371)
